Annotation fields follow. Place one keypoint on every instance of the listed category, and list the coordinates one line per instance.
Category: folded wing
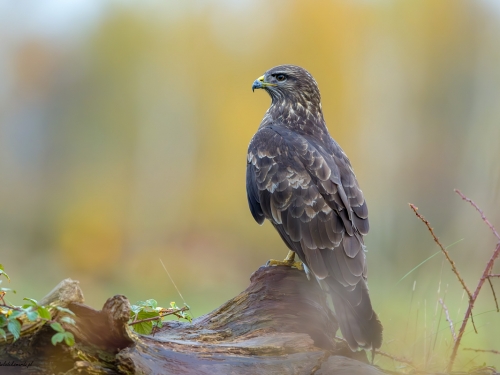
(310, 194)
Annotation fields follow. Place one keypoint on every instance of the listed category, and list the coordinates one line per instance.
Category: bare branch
(494, 294)
(486, 275)
(397, 359)
(162, 314)
(384, 354)
(452, 328)
(483, 350)
(472, 321)
(445, 252)
(480, 212)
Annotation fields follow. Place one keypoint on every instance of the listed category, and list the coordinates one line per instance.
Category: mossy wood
(278, 325)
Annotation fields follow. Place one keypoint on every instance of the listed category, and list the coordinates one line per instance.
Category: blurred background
(124, 129)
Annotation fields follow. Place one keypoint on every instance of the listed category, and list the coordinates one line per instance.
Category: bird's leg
(288, 261)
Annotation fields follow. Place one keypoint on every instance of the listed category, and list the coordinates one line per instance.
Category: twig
(494, 275)
(162, 314)
(5, 306)
(486, 275)
(480, 212)
(144, 320)
(445, 252)
(472, 321)
(452, 328)
(383, 354)
(483, 350)
(468, 313)
(494, 295)
(398, 359)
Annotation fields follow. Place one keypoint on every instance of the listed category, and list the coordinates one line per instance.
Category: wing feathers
(293, 225)
(351, 245)
(315, 262)
(312, 198)
(307, 240)
(253, 196)
(346, 273)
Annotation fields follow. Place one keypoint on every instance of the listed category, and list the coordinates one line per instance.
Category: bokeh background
(124, 128)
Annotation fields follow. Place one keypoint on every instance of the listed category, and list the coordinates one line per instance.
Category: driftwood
(278, 325)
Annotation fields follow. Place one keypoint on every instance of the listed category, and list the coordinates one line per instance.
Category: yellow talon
(289, 261)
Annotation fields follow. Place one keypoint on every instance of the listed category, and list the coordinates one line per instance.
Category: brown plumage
(299, 179)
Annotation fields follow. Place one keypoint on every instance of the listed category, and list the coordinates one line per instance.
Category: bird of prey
(299, 179)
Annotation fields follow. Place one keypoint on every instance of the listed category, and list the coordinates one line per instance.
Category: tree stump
(278, 325)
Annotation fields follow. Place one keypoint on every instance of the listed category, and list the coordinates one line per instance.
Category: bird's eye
(280, 77)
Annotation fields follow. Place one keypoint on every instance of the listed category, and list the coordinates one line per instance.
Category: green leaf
(58, 337)
(2, 334)
(187, 317)
(135, 309)
(69, 339)
(14, 327)
(15, 314)
(2, 272)
(152, 303)
(144, 328)
(64, 309)
(44, 313)
(57, 327)
(68, 320)
(32, 302)
(147, 314)
(32, 315)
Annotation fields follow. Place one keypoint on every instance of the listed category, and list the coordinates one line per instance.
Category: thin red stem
(486, 275)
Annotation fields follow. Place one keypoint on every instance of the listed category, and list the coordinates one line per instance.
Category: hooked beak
(259, 83)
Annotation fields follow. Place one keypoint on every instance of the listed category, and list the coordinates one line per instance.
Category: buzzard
(299, 179)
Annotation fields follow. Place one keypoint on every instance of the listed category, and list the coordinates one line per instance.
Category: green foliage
(65, 310)
(147, 316)
(32, 315)
(2, 272)
(13, 317)
(57, 327)
(14, 327)
(61, 335)
(68, 320)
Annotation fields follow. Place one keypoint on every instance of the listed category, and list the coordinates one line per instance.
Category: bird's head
(289, 83)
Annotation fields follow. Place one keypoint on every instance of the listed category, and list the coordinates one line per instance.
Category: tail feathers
(358, 322)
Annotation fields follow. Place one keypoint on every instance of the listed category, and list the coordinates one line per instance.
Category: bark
(278, 325)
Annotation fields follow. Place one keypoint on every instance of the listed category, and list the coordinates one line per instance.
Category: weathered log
(278, 325)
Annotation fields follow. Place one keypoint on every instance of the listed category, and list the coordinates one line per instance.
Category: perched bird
(299, 179)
